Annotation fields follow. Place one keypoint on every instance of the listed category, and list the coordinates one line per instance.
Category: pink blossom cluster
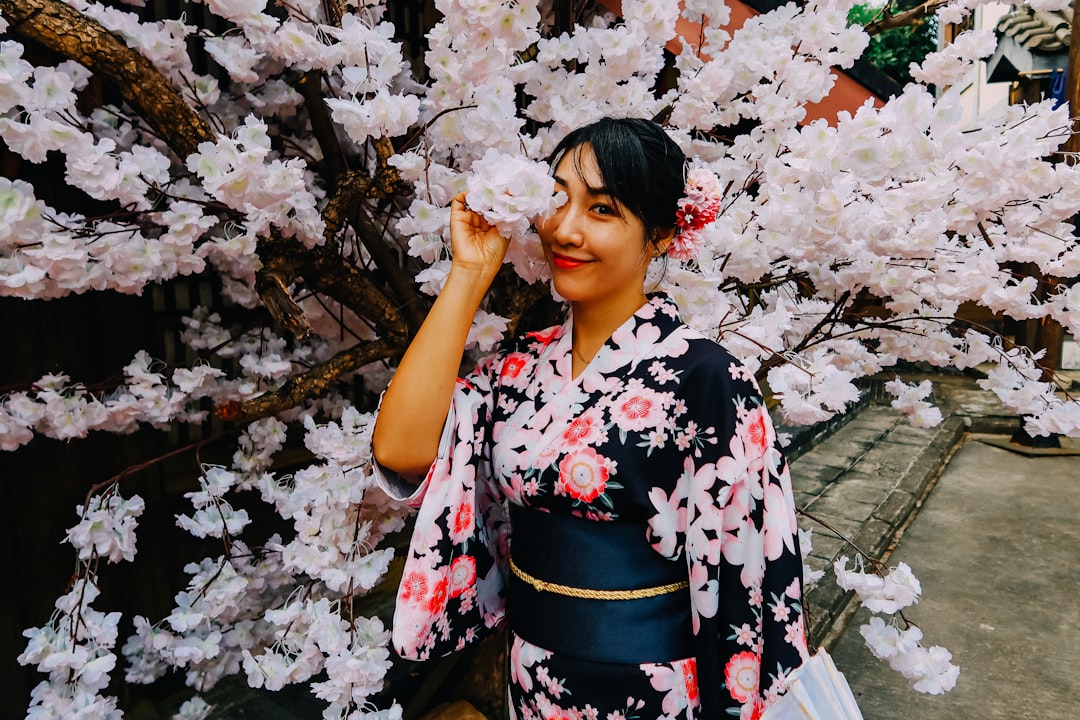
(909, 400)
(806, 546)
(370, 66)
(75, 648)
(106, 527)
(510, 192)
(216, 618)
(241, 172)
(929, 670)
(953, 63)
(59, 408)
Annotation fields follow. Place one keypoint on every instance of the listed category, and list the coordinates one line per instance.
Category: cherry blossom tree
(292, 152)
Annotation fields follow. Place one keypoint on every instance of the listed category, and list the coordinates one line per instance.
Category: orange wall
(847, 93)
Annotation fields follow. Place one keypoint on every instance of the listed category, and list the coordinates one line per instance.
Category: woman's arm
(415, 405)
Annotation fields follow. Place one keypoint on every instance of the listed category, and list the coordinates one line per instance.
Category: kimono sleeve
(452, 586)
(741, 545)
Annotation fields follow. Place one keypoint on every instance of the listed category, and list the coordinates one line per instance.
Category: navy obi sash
(584, 555)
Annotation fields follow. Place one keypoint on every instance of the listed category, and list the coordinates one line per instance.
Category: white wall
(980, 96)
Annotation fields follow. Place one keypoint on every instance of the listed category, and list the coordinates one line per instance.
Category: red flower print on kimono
(664, 430)
(516, 370)
(741, 676)
(757, 433)
(461, 528)
(679, 683)
(583, 475)
(585, 430)
(462, 575)
(420, 587)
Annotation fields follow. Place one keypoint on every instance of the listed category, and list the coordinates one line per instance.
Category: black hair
(642, 168)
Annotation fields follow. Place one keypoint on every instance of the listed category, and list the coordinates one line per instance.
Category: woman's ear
(661, 241)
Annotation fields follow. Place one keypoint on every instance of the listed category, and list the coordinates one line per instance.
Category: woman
(609, 487)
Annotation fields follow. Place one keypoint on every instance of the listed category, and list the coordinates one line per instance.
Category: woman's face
(595, 247)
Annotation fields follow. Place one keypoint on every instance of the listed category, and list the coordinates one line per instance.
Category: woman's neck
(593, 325)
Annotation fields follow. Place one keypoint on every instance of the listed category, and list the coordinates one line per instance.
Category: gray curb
(866, 480)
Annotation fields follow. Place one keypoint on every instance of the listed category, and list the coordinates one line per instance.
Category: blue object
(598, 555)
(1057, 87)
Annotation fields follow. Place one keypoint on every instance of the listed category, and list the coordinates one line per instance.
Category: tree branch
(152, 96)
(399, 281)
(65, 30)
(908, 18)
(347, 205)
(322, 127)
(275, 296)
(324, 271)
(308, 384)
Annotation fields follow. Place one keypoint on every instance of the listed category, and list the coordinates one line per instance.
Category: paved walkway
(994, 538)
(997, 549)
(864, 481)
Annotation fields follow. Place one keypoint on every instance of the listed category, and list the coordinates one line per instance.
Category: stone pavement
(995, 547)
(993, 539)
(866, 480)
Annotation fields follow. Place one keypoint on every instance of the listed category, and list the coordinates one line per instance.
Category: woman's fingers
(474, 240)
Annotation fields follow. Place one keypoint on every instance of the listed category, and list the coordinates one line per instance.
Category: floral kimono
(664, 430)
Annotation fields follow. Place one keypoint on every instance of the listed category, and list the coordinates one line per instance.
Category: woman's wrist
(474, 280)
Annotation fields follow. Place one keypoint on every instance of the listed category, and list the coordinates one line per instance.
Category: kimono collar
(639, 337)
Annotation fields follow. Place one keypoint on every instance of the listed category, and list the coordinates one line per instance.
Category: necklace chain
(581, 357)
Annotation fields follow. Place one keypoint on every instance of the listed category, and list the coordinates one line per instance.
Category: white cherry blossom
(908, 207)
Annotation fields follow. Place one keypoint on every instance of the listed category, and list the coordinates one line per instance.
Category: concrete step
(864, 482)
(860, 486)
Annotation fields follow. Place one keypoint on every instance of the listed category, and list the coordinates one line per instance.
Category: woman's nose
(565, 226)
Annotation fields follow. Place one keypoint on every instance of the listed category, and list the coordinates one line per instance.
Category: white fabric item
(816, 691)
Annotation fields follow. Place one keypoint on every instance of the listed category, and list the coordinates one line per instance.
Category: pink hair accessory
(699, 207)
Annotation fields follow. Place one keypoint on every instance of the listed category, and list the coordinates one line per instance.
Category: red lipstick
(566, 263)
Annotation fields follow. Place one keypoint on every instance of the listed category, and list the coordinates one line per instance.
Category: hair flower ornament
(699, 206)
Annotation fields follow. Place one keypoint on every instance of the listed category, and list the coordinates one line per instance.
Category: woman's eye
(603, 209)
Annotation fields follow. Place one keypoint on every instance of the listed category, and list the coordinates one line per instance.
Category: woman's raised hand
(476, 243)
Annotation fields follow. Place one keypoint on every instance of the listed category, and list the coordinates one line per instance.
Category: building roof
(1031, 43)
(1037, 30)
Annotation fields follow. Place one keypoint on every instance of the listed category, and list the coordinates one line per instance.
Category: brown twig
(279, 302)
(908, 18)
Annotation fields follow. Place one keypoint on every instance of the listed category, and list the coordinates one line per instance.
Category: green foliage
(894, 50)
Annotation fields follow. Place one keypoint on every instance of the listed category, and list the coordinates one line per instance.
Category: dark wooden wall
(90, 338)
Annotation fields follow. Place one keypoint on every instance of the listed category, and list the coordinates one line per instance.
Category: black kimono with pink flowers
(664, 429)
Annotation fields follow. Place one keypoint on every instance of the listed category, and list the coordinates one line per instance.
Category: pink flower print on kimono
(639, 408)
(663, 429)
(462, 575)
(452, 582)
(587, 429)
(679, 683)
(516, 370)
(742, 678)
